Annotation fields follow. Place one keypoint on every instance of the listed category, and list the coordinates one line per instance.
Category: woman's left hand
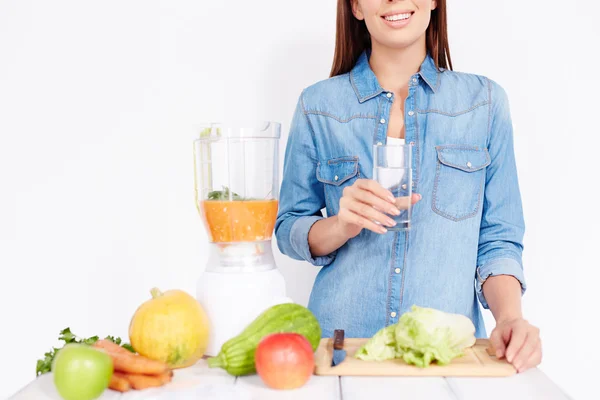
(519, 342)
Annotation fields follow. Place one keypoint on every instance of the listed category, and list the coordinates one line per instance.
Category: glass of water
(392, 169)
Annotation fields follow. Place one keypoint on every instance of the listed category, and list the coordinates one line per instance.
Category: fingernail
(420, 197)
(382, 230)
(394, 211)
(391, 222)
(391, 198)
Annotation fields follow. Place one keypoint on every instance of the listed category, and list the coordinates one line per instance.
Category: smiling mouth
(398, 17)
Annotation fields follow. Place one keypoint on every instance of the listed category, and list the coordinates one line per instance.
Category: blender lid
(240, 129)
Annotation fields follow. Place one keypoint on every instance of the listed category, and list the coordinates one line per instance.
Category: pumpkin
(172, 327)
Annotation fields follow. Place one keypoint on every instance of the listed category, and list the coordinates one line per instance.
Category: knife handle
(338, 339)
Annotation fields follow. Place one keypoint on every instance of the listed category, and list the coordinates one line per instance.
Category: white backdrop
(99, 102)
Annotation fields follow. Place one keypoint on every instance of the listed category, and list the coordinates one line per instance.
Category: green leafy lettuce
(421, 336)
(381, 347)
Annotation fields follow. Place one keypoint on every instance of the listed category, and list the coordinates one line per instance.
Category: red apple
(284, 360)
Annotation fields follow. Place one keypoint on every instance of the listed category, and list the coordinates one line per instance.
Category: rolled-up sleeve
(301, 196)
(502, 224)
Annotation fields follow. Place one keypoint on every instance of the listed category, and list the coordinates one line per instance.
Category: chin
(400, 39)
(400, 43)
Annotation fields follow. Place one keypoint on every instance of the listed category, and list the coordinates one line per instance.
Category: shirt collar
(367, 86)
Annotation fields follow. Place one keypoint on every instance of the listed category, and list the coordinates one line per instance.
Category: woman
(392, 80)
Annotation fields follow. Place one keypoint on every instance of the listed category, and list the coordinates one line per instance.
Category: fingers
(402, 203)
(531, 346)
(366, 210)
(352, 218)
(373, 193)
(496, 339)
(375, 188)
(368, 197)
(533, 361)
(517, 340)
(366, 204)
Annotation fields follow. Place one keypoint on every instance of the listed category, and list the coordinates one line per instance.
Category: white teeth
(397, 17)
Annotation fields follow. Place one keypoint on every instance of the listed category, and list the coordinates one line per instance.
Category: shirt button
(379, 143)
(393, 314)
(404, 186)
(397, 270)
(414, 80)
(411, 113)
(382, 120)
(469, 165)
(335, 178)
(389, 95)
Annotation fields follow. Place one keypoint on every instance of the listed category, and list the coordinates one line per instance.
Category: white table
(201, 382)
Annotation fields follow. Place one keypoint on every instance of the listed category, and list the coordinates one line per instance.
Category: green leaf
(113, 339)
(128, 347)
(90, 341)
(67, 336)
(223, 195)
(382, 346)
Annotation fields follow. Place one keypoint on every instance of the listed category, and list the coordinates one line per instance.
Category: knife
(339, 354)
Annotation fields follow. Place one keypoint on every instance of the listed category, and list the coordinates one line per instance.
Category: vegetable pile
(128, 370)
(170, 331)
(421, 336)
(44, 365)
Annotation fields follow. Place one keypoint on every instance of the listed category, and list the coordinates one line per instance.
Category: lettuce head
(421, 336)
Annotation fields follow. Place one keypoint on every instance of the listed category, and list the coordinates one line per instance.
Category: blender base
(233, 300)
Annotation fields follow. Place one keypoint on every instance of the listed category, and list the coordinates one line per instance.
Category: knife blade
(339, 354)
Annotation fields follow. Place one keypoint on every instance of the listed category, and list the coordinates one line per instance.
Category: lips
(397, 17)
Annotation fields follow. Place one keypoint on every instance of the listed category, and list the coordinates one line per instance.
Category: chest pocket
(336, 174)
(459, 181)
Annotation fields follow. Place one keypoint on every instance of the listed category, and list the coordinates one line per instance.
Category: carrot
(119, 382)
(111, 346)
(126, 361)
(140, 382)
(137, 364)
(167, 376)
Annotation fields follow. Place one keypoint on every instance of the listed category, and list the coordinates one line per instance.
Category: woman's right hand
(367, 201)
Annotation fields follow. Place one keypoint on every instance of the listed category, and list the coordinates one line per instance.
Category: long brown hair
(352, 38)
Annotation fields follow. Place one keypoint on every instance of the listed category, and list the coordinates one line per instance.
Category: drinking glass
(392, 169)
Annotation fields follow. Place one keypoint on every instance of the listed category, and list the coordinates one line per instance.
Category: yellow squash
(171, 327)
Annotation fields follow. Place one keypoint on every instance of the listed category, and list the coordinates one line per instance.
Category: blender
(237, 197)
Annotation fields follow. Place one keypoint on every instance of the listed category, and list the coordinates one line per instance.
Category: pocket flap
(337, 170)
(465, 158)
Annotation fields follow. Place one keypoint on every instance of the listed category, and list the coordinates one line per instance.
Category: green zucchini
(237, 354)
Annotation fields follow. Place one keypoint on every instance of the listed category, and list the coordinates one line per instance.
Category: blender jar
(237, 191)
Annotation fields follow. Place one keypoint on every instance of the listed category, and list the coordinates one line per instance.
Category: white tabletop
(201, 382)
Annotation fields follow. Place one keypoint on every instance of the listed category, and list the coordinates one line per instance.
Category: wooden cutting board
(477, 361)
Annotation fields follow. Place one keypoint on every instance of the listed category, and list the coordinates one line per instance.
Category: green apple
(81, 372)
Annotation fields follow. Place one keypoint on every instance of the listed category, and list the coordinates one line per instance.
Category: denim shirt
(468, 226)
